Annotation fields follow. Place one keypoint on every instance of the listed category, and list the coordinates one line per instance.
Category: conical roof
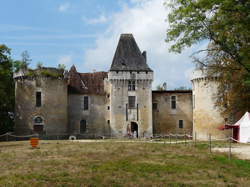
(128, 56)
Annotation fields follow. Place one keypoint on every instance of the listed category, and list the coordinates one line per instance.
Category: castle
(117, 103)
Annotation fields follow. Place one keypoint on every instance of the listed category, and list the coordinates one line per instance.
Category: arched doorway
(134, 129)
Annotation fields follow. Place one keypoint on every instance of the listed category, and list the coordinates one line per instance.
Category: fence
(170, 138)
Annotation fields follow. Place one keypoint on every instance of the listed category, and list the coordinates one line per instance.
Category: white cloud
(64, 7)
(100, 20)
(66, 60)
(146, 21)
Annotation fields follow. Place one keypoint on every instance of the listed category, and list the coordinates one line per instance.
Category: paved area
(242, 151)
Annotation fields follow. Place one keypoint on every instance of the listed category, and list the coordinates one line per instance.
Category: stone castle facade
(117, 103)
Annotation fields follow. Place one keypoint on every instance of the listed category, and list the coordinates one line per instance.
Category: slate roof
(128, 56)
(86, 83)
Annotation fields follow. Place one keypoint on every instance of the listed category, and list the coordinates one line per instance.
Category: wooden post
(185, 139)
(210, 144)
(230, 149)
(195, 139)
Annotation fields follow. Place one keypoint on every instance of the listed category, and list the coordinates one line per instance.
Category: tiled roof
(86, 83)
(128, 56)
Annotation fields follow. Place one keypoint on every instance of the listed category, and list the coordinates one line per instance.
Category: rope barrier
(27, 136)
(11, 135)
(4, 134)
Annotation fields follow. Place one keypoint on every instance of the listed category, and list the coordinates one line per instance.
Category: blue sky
(86, 32)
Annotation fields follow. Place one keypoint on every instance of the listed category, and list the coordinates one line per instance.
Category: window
(173, 102)
(131, 101)
(85, 103)
(108, 121)
(181, 124)
(108, 107)
(155, 106)
(38, 99)
(83, 126)
(131, 85)
(38, 120)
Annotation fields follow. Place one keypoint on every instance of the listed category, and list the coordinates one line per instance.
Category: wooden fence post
(210, 144)
(230, 148)
(195, 139)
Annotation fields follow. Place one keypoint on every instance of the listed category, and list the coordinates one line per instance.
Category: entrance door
(134, 129)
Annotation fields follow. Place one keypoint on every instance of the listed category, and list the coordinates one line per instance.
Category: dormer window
(131, 85)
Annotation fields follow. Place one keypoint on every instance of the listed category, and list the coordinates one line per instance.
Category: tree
(226, 25)
(6, 90)
(162, 87)
(22, 64)
(61, 66)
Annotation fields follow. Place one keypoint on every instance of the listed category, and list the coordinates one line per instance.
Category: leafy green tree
(39, 65)
(162, 86)
(61, 66)
(7, 98)
(225, 24)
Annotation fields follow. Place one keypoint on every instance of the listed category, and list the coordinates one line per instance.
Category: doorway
(134, 129)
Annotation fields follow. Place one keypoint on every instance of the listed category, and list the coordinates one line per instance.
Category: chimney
(144, 54)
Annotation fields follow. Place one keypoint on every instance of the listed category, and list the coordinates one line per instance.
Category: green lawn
(65, 163)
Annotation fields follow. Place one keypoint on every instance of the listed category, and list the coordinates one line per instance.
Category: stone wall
(206, 116)
(121, 115)
(53, 110)
(96, 116)
(166, 119)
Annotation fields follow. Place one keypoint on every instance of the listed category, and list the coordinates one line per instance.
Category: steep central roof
(128, 56)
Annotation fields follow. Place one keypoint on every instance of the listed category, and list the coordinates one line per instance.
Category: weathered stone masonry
(118, 103)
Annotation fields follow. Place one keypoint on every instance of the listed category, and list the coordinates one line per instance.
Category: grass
(65, 163)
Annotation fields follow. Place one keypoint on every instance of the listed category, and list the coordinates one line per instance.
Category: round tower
(206, 116)
(41, 101)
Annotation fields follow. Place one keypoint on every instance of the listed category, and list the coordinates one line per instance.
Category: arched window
(38, 124)
(38, 120)
(83, 126)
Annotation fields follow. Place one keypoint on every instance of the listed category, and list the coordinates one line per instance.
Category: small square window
(155, 106)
